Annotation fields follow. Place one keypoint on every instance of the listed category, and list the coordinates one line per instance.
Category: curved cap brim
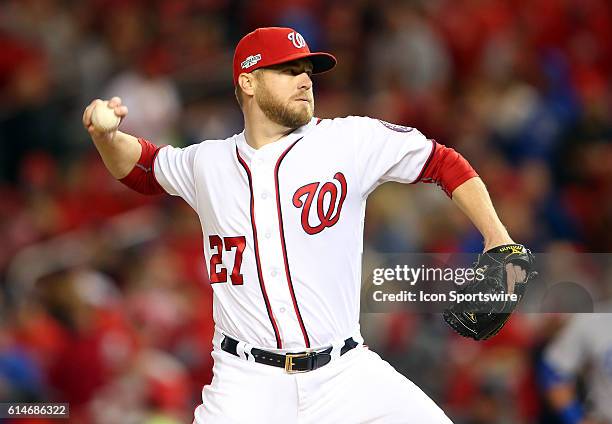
(321, 62)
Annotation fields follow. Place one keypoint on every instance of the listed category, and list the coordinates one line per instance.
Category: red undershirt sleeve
(142, 177)
(446, 168)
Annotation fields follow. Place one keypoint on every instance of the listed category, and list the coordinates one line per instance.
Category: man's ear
(246, 81)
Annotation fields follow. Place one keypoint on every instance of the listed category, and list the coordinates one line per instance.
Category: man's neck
(259, 130)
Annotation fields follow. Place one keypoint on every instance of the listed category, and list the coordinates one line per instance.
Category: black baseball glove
(502, 270)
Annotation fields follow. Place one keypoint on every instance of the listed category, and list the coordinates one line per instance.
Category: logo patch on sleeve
(395, 127)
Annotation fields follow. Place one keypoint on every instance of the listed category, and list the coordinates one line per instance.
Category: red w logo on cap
(297, 39)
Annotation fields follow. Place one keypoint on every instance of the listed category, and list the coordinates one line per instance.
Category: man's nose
(305, 83)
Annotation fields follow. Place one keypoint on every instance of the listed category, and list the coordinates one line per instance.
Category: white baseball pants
(358, 387)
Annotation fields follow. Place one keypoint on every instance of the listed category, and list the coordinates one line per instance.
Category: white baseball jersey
(587, 339)
(283, 224)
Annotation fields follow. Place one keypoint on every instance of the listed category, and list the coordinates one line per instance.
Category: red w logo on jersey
(328, 216)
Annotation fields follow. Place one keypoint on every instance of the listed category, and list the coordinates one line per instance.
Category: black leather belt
(292, 362)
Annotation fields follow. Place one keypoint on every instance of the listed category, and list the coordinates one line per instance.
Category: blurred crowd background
(105, 301)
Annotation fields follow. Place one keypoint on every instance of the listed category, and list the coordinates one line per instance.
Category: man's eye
(296, 72)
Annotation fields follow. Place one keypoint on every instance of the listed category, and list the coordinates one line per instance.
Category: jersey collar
(272, 149)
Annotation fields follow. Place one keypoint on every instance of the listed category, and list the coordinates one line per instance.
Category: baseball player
(584, 343)
(282, 211)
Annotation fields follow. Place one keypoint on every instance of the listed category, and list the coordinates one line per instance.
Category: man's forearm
(473, 199)
(119, 154)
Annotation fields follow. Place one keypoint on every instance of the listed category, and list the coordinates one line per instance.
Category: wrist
(497, 241)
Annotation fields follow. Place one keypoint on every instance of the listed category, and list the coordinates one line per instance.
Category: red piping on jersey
(426, 164)
(279, 342)
(284, 246)
(153, 166)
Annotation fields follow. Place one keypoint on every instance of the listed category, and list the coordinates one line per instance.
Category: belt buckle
(289, 357)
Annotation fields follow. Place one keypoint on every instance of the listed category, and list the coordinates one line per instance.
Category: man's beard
(288, 116)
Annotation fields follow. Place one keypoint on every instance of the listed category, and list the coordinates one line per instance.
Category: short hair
(239, 95)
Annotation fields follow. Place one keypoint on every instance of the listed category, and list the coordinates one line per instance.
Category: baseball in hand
(103, 118)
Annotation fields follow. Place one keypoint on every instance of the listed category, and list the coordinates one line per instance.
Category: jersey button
(268, 234)
(274, 272)
(282, 310)
(264, 195)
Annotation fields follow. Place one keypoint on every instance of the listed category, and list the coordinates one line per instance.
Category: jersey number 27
(218, 273)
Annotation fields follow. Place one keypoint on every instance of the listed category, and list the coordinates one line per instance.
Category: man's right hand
(101, 136)
(119, 151)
